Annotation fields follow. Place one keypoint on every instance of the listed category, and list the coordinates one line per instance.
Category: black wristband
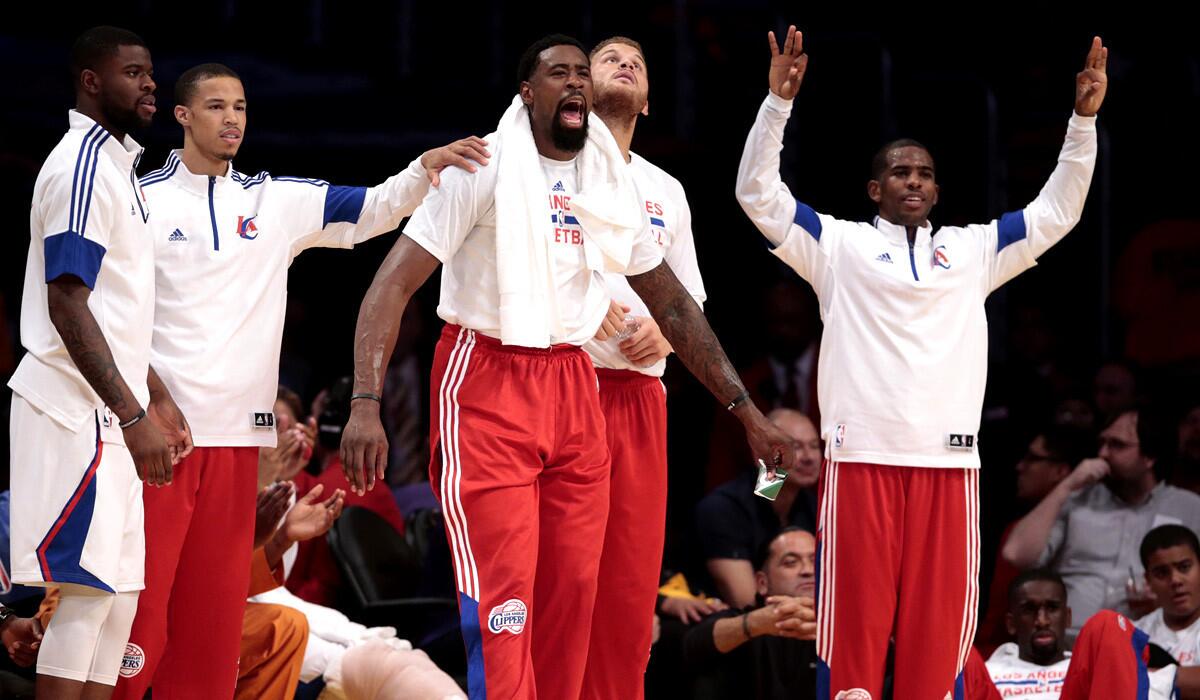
(374, 397)
(737, 401)
(746, 625)
(133, 421)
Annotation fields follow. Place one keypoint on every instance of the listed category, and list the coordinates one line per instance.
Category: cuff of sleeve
(1081, 123)
(69, 253)
(429, 246)
(779, 104)
(416, 167)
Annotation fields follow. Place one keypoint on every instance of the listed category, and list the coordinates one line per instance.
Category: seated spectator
(734, 524)
(1087, 529)
(355, 662)
(766, 650)
(1114, 389)
(1037, 616)
(1047, 461)
(315, 575)
(1171, 557)
(1111, 659)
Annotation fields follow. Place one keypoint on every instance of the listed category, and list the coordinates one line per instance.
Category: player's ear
(183, 115)
(874, 191)
(526, 93)
(646, 109)
(1011, 626)
(89, 81)
(936, 190)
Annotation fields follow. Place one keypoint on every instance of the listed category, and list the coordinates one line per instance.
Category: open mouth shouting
(572, 111)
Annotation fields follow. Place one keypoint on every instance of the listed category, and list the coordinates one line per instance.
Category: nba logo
(839, 435)
(508, 616)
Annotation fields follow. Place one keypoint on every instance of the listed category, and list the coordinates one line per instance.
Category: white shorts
(76, 509)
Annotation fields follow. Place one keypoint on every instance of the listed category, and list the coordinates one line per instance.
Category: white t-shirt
(223, 246)
(88, 219)
(903, 360)
(666, 210)
(1183, 644)
(456, 223)
(1017, 678)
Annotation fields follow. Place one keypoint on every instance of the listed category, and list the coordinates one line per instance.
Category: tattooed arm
(685, 327)
(67, 298)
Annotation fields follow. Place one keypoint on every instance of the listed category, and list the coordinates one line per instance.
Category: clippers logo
(839, 435)
(940, 258)
(246, 227)
(853, 694)
(132, 662)
(509, 617)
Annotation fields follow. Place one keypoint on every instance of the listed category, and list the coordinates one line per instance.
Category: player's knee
(291, 627)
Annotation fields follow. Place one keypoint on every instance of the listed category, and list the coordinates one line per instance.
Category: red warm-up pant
(199, 534)
(520, 465)
(898, 557)
(635, 411)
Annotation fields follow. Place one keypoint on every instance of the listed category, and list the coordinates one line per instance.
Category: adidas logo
(884, 257)
(558, 187)
(176, 235)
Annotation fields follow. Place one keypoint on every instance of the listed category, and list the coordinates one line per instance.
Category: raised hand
(1091, 83)
(787, 66)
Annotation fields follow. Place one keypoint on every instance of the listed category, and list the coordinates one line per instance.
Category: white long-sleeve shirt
(222, 248)
(903, 359)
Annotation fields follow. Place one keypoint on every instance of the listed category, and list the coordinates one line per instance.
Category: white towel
(607, 208)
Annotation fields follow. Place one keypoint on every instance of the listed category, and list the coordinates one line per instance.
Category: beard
(618, 103)
(566, 138)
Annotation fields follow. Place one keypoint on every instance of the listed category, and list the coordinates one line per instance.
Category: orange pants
(272, 651)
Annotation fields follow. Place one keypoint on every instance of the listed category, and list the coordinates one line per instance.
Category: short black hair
(529, 59)
(185, 86)
(1067, 443)
(1166, 536)
(764, 552)
(97, 44)
(880, 163)
(1034, 575)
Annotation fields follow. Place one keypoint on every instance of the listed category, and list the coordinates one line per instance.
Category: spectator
(734, 524)
(785, 377)
(1110, 659)
(1037, 616)
(315, 576)
(295, 441)
(1115, 389)
(1087, 528)
(768, 646)
(355, 662)
(1171, 557)
(1047, 461)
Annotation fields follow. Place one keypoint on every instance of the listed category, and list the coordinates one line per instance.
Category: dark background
(351, 92)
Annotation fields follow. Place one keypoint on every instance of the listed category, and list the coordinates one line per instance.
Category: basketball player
(900, 383)
(223, 242)
(633, 398)
(519, 458)
(87, 411)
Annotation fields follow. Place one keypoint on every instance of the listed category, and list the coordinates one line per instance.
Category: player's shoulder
(455, 180)
(162, 174)
(662, 176)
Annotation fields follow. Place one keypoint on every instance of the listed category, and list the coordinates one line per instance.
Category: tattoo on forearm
(686, 328)
(88, 350)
